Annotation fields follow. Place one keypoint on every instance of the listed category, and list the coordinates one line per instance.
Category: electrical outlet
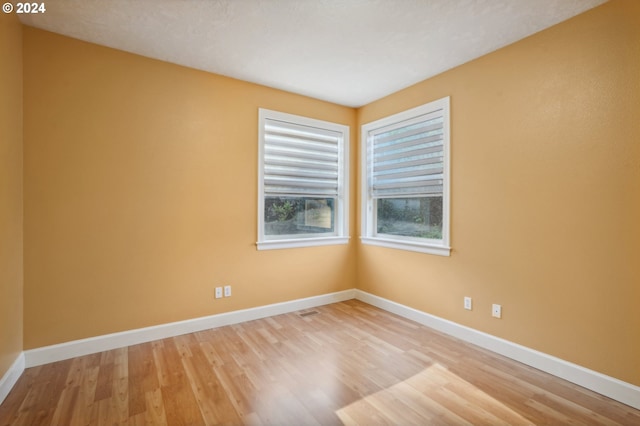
(218, 292)
(496, 311)
(227, 291)
(467, 303)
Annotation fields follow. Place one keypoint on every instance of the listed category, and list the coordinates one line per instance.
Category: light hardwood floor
(346, 363)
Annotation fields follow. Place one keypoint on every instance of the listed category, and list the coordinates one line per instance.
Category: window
(303, 181)
(405, 180)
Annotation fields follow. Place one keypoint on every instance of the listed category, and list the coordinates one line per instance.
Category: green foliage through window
(419, 217)
(299, 215)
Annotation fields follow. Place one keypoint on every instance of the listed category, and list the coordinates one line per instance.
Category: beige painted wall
(11, 266)
(545, 194)
(141, 194)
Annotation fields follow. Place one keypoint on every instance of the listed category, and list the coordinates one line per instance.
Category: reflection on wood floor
(345, 363)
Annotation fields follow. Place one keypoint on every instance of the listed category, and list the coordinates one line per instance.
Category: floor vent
(308, 313)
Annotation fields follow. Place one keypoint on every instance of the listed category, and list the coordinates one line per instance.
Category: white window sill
(407, 245)
(301, 242)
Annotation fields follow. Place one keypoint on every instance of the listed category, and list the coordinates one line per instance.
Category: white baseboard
(53, 353)
(605, 385)
(8, 381)
(608, 386)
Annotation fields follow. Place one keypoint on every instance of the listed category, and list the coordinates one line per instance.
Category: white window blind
(406, 180)
(407, 158)
(300, 160)
(303, 181)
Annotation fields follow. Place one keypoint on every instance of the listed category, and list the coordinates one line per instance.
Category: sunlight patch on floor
(434, 395)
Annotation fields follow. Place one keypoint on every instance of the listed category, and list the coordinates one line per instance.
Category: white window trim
(368, 227)
(342, 208)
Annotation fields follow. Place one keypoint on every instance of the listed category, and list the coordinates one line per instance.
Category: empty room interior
(292, 212)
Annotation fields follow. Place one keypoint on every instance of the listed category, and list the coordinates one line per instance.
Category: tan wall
(11, 266)
(545, 194)
(141, 194)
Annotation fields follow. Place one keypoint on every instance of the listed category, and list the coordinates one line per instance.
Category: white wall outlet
(218, 292)
(467, 303)
(496, 311)
(227, 291)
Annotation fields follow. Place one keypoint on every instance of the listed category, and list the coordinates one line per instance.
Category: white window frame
(368, 213)
(341, 209)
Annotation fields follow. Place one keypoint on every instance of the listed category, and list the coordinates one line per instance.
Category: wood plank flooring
(347, 363)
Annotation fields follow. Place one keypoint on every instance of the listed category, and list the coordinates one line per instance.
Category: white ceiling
(350, 52)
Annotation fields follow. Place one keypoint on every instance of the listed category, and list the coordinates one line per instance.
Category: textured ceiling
(350, 52)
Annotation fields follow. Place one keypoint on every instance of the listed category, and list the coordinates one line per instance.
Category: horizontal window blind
(300, 160)
(407, 159)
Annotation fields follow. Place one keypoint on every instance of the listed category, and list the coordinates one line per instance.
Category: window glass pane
(298, 215)
(419, 217)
